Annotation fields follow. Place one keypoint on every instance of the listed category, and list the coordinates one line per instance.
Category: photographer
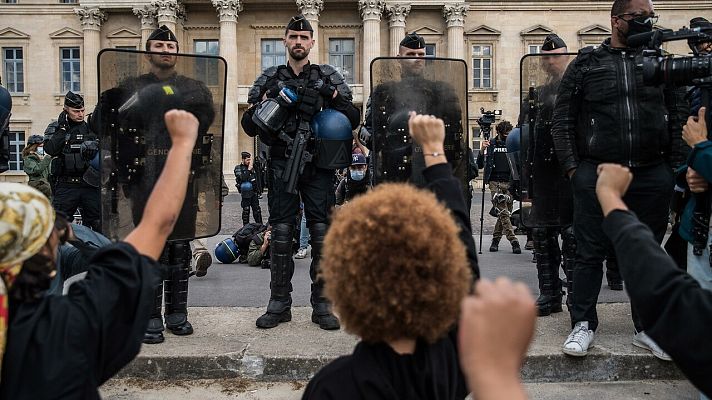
(258, 255)
(72, 144)
(36, 165)
(356, 181)
(604, 113)
(497, 175)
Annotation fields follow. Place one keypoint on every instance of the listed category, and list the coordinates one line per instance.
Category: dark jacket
(486, 158)
(242, 175)
(65, 347)
(605, 113)
(349, 188)
(701, 161)
(675, 310)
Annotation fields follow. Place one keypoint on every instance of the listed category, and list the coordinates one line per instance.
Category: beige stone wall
(42, 27)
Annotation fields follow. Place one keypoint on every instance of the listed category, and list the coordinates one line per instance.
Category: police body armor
(135, 142)
(427, 86)
(542, 182)
(293, 104)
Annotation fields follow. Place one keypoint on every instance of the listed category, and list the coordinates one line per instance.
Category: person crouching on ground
(66, 346)
(397, 282)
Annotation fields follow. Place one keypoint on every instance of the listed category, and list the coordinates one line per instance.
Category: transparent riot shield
(136, 89)
(543, 185)
(434, 86)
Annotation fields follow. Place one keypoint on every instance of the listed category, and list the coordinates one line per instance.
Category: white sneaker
(642, 340)
(301, 253)
(579, 340)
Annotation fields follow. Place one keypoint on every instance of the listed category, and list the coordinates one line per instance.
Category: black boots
(548, 260)
(281, 271)
(321, 313)
(178, 256)
(515, 247)
(495, 245)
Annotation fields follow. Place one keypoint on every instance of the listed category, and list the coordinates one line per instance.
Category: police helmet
(334, 137)
(245, 186)
(226, 251)
(514, 140)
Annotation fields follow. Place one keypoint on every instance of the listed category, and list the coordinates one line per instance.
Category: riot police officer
(73, 145)
(246, 180)
(552, 202)
(140, 113)
(301, 90)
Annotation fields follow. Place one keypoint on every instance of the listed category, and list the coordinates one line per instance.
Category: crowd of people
(429, 326)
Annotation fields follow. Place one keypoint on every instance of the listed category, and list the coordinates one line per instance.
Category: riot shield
(435, 86)
(543, 185)
(136, 89)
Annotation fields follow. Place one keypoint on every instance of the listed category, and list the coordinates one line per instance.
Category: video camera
(682, 71)
(486, 120)
(676, 71)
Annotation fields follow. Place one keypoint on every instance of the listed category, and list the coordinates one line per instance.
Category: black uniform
(314, 185)
(198, 100)
(552, 204)
(250, 197)
(64, 139)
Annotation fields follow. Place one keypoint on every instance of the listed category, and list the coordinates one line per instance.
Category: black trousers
(648, 196)
(69, 196)
(252, 202)
(315, 187)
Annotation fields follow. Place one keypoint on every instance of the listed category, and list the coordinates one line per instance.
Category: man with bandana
(604, 113)
(313, 88)
(552, 203)
(67, 346)
(73, 145)
(197, 99)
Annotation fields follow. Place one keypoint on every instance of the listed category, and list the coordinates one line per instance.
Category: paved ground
(243, 390)
(241, 285)
(226, 344)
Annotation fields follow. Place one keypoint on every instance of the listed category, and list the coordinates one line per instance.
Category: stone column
(371, 11)
(91, 19)
(455, 16)
(311, 9)
(147, 15)
(228, 13)
(169, 13)
(397, 13)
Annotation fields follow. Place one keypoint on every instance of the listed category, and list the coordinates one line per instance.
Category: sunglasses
(643, 18)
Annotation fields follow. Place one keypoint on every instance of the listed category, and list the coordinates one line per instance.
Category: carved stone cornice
(147, 15)
(310, 9)
(455, 14)
(90, 18)
(371, 9)
(228, 10)
(168, 11)
(397, 14)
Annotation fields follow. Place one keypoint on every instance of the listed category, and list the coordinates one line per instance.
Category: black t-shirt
(67, 346)
(376, 371)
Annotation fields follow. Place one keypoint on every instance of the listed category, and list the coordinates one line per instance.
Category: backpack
(244, 236)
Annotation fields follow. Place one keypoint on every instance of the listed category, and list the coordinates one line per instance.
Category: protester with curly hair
(402, 306)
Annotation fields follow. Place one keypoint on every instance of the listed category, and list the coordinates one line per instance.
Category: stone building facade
(49, 47)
